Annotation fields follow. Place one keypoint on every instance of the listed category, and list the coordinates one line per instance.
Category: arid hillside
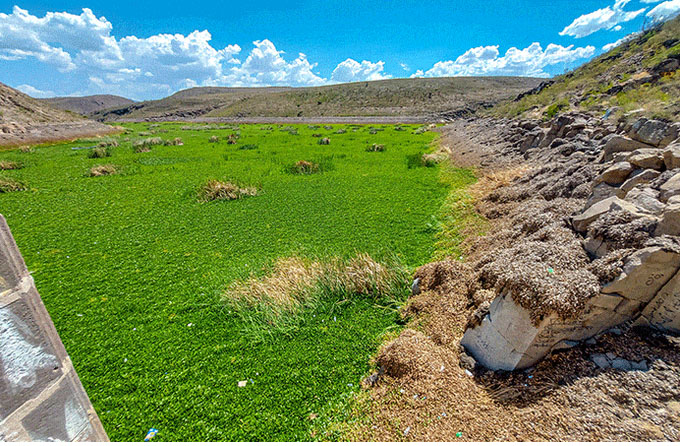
(88, 105)
(26, 120)
(394, 97)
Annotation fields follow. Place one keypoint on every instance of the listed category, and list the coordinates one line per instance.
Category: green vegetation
(625, 79)
(134, 271)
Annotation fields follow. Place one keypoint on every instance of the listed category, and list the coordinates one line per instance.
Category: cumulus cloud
(612, 45)
(605, 18)
(34, 92)
(487, 61)
(142, 67)
(352, 71)
(665, 10)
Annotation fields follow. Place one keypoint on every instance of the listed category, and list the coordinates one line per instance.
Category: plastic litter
(551, 271)
(242, 383)
(459, 434)
(407, 430)
(468, 373)
(152, 433)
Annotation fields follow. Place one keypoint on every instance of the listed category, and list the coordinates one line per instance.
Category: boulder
(636, 178)
(671, 156)
(670, 188)
(663, 312)
(653, 132)
(646, 199)
(647, 158)
(616, 174)
(670, 220)
(618, 143)
(600, 192)
(583, 220)
(644, 273)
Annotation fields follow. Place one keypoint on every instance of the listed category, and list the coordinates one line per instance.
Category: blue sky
(147, 50)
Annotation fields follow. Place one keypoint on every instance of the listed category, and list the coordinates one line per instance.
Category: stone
(646, 199)
(616, 174)
(644, 273)
(618, 143)
(583, 220)
(601, 192)
(415, 286)
(600, 360)
(671, 156)
(640, 366)
(653, 132)
(636, 178)
(670, 220)
(647, 158)
(663, 312)
(670, 188)
(621, 364)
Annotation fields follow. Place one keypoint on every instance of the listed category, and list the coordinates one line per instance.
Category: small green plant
(555, 108)
(99, 152)
(248, 147)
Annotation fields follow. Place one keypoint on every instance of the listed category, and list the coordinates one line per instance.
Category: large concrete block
(41, 397)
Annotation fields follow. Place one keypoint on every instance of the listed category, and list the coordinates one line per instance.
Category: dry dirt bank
(622, 384)
(16, 135)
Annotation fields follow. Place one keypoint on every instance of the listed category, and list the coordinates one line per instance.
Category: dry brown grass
(10, 165)
(376, 148)
(293, 282)
(214, 139)
(11, 185)
(102, 169)
(492, 180)
(213, 190)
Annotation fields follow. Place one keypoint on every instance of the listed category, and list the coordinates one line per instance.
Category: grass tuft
(215, 190)
(99, 152)
(376, 148)
(102, 169)
(11, 185)
(10, 165)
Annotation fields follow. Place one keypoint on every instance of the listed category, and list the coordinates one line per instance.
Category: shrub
(213, 190)
(11, 185)
(214, 139)
(376, 148)
(103, 169)
(10, 165)
(248, 147)
(99, 152)
(324, 141)
(555, 108)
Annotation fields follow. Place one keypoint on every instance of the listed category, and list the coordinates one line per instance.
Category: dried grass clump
(174, 142)
(26, 149)
(214, 139)
(145, 145)
(411, 355)
(376, 148)
(213, 190)
(108, 143)
(294, 283)
(11, 185)
(303, 167)
(232, 139)
(103, 169)
(324, 141)
(99, 152)
(10, 165)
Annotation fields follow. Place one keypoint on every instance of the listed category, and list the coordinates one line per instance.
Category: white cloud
(605, 18)
(617, 28)
(486, 61)
(404, 66)
(650, 1)
(609, 46)
(352, 71)
(665, 10)
(34, 92)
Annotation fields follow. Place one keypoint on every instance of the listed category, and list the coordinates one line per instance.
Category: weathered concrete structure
(41, 397)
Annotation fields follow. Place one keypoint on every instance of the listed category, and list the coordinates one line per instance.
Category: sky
(151, 49)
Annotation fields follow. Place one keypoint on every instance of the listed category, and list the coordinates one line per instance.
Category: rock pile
(591, 240)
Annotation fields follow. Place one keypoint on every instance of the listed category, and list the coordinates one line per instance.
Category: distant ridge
(88, 105)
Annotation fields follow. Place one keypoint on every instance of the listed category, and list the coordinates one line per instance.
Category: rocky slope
(24, 120)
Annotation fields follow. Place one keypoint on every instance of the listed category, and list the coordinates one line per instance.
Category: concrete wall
(41, 397)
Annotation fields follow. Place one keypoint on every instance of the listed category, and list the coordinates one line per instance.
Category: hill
(87, 105)
(26, 120)
(639, 76)
(393, 97)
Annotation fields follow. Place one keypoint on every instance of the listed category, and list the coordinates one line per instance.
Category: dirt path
(45, 133)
